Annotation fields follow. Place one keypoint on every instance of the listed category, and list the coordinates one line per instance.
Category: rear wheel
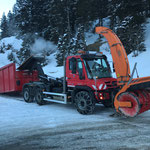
(26, 95)
(39, 97)
(84, 102)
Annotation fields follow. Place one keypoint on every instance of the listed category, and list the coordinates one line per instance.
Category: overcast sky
(5, 6)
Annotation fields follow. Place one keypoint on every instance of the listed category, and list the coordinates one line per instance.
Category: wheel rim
(26, 95)
(38, 97)
(82, 104)
(83, 100)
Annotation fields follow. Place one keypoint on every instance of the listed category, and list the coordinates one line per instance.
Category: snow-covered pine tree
(73, 15)
(126, 22)
(12, 28)
(24, 16)
(25, 51)
(139, 40)
(4, 27)
(63, 48)
(80, 41)
(72, 47)
(61, 51)
(83, 12)
(2, 48)
(11, 57)
(98, 10)
(53, 17)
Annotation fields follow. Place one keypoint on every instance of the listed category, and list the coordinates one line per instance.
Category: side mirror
(113, 68)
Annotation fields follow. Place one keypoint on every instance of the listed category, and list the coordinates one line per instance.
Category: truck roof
(92, 56)
(89, 56)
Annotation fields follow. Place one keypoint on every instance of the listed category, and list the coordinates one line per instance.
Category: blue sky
(5, 6)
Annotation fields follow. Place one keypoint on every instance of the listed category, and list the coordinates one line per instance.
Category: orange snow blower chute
(133, 97)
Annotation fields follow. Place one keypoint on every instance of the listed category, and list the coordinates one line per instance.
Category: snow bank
(16, 43)
(91, 38)
(3, 59)
(51, 68)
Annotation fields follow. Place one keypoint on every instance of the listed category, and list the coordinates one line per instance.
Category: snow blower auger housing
(133, 96)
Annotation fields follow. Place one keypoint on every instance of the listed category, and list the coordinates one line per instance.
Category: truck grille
(111, 84)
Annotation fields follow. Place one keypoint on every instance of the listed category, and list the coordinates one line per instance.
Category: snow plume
(43, 47)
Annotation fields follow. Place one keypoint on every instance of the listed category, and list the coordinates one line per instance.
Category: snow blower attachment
(133, 97)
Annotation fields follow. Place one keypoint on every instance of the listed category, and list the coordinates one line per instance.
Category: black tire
(27, 96)
(84, 102)
(39, 97)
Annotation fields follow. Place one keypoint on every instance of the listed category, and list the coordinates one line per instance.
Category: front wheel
(84, 102)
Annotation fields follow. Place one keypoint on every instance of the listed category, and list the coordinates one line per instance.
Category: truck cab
(90, 73)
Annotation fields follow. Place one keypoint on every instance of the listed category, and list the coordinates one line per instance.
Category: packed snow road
(26, 126)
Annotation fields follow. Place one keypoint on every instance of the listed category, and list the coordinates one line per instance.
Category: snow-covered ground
(56, 126)
(18, 118)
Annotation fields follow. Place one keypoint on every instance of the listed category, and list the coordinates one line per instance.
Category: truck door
(75, 72)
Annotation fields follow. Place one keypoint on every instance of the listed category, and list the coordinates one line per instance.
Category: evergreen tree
(4, 27)
(12, 29)
(126, 22)
(2, 48)
(99, 10)
(11, 57)
(28, 15)
(63, 48)
(83, 13)
(51, 31)
(25, 51)
(23, 16)
(80, 41)
(61, 51)
(72, 47)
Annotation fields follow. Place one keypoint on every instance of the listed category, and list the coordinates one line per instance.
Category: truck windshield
(97, 68)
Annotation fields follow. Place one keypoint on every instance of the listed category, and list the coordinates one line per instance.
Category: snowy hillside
(5, 43)
(142, 60)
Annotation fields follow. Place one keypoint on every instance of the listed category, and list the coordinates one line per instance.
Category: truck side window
(72, 64)
(79, 65)
(80, 69)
